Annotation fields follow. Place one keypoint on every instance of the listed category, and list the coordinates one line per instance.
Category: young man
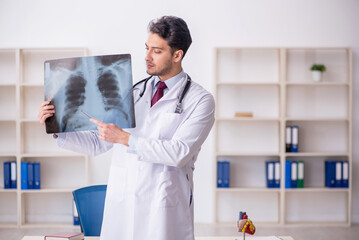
(150, 185)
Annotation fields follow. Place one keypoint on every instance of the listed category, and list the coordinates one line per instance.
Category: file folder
(7, 175)
(330, 174)
(295, 139)
(345, 175)
(288, 139)
(220, 174)
(226, 174)
(270, 174)
(277, 174)
(338, 174)
(300, 181)
(294, 176)
(37, 178)
(13, 176)
(30, 176)
(24, 176)
(288, 174)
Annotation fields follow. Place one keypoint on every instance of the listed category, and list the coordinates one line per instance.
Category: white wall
(110, 26)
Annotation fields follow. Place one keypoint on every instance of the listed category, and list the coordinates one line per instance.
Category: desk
(248, 237)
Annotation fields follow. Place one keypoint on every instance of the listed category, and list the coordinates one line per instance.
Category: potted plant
(317, 72)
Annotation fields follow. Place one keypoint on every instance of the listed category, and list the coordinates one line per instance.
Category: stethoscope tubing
(183, 94)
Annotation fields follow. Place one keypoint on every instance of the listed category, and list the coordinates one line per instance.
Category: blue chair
(90, 203)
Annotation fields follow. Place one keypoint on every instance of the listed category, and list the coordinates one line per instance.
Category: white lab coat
(149, 193)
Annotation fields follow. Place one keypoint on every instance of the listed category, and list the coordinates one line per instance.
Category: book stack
(294, 174)
(10, 176)
(336, 174)
(223, 176)
(30, 175)
(273, 174)
(291, 138)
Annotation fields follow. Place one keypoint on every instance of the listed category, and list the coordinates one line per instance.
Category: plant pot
(317, 76)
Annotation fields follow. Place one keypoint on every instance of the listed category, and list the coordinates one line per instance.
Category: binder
(75, 214)
(37, 179)
(288, 138)
(345, 175)
(295, 139)
(294, 176)
(226, 175)
(24, 176)
(7, 175)
(330, 174)
(13, 182)
(270, 174)
(288, 174)
(30, 176)
(277, 174)
(220, 174)
(300, 181)
(338, 174)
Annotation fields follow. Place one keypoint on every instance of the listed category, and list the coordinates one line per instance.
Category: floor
(298, 233)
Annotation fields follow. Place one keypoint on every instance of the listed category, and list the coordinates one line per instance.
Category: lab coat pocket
(167, 194)
(168, 124)
(116, 187)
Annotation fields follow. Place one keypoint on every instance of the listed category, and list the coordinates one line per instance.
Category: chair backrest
(90, 203)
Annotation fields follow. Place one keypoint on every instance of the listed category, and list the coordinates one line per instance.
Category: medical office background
(109, 26)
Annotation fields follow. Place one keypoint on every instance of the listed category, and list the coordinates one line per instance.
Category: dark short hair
(174, 30)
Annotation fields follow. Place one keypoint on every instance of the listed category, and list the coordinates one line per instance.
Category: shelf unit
(24, 139)
(275, 85)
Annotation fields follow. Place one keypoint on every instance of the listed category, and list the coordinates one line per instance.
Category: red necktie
(159, 93)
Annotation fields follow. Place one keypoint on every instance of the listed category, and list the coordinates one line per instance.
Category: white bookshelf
(275, 84)
(24, 139)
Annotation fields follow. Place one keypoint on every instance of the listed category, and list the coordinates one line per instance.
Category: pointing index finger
(97, 122)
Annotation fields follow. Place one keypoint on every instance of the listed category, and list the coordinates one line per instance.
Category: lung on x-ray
(97, 87)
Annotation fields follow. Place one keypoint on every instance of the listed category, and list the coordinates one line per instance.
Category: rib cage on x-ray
(101, 86)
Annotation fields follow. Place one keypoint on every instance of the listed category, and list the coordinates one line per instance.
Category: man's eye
(157, 51)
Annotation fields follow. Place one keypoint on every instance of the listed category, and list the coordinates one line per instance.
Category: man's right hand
(46, 111)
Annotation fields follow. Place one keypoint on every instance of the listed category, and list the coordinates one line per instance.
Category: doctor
(150, 185)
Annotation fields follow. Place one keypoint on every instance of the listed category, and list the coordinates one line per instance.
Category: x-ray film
(97, 87)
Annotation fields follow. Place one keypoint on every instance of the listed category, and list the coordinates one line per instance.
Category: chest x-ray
(97, 87)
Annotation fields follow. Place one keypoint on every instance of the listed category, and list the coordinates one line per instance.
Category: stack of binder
(336, 174)
(30, 175)
(273, 174)
(294, 174)
(10, 176)
(223, 177)
(291, 138)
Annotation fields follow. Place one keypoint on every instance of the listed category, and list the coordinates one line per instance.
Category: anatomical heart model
(97, 87)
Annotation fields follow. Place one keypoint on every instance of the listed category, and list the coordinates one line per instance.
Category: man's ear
(178, 55)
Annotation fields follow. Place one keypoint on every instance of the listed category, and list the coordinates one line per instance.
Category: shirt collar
(171, 81)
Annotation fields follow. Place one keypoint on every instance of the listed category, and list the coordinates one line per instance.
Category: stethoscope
(179, 103)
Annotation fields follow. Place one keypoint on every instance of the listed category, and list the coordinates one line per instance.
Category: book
(243, 114)
(81, 88)
(345, 175)
(65, 236)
